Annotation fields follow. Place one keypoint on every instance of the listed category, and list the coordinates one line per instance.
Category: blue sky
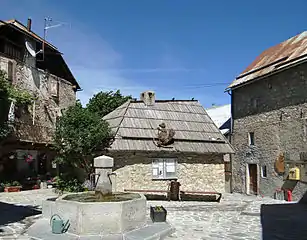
(180, 49)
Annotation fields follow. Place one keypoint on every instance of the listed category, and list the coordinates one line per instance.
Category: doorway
(252, 180)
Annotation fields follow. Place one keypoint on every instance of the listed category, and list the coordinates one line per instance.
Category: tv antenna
(47, 25)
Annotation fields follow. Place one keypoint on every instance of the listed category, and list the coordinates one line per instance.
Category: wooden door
(252, 168)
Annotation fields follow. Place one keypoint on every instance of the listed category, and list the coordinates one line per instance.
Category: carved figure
(165, 136)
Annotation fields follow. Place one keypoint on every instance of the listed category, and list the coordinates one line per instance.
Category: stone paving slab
(41, 230)
(235, 217)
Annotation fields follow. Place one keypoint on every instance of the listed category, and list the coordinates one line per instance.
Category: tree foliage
(103, 103)
(81, 133)
(80, 136)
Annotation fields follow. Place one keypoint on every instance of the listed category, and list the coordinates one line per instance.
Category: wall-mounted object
(280, 164)
(294, 174)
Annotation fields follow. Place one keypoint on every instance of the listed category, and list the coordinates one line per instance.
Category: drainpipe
(230, 137)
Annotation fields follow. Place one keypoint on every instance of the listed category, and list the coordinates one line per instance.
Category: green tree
(80, 136)
(103, 103)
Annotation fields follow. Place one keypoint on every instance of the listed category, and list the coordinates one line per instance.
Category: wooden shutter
(10, 70)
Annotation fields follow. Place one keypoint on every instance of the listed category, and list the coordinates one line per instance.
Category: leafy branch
(9, 92)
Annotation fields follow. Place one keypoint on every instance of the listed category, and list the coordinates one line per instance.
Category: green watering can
(57, 224)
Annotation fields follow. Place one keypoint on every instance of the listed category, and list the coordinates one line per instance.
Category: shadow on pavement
(284, 221)
(10, 213)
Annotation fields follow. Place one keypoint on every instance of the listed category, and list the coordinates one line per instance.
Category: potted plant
(15, 186)
(158, 214)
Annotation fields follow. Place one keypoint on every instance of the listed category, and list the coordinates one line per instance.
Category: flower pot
(12, 189)
(158, 214)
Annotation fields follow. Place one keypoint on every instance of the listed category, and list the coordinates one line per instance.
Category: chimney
(148, 97)
(29, 24)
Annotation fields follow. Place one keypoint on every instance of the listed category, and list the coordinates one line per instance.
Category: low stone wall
(195, 173)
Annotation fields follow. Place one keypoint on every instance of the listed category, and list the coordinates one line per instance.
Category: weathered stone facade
(275, 110)
(194, 172)
(37, 122)
(34, 124)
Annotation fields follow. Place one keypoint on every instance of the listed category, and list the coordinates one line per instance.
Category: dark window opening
(251, 138)
(10, 71)
(264, 173)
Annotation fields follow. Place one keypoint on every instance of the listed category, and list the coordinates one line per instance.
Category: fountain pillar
(103, 168)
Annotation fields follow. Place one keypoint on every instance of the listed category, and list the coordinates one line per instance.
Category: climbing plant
(9, 93)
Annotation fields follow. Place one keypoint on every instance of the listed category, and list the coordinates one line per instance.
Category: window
(251, 138)
(254, 102)
(164, 168)
(54, 88)
(10, 70)
(264, 173)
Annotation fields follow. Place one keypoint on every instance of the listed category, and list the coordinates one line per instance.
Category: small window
(164, 168)
(254, 102)
(251, 138)
(10, 71)
(54, 88)
(264, 173)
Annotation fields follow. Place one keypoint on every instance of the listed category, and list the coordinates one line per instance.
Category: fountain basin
(88, 216)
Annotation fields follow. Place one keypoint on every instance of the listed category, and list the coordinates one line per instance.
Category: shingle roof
(135, 126)
(278, 57)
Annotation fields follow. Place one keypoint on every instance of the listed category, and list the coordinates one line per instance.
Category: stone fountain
(100, 214)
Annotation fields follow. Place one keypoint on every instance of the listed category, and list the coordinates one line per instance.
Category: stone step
(154, 231)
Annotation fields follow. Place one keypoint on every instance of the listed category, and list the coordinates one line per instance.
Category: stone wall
(194, 172)
(46, 108)
(275, 110)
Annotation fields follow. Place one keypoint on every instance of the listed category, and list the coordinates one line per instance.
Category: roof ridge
(122, 117)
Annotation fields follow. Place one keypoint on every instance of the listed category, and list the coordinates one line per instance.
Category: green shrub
(68, 185)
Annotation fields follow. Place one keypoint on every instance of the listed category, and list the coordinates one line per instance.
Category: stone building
(145, 159)
(46, 76)
(269, 111)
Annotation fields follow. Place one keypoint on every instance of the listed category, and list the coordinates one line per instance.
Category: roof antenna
(47, 25)
(192, 99)
(173, 99)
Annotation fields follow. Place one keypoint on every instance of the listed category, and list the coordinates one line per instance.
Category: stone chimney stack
(29, 24)
(148, 97)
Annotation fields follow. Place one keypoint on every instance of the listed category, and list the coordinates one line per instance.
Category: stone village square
(149, 167)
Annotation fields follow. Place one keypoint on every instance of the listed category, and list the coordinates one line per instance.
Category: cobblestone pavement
(235, 217)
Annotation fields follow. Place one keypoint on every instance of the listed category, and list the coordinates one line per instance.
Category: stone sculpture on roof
(165, 136)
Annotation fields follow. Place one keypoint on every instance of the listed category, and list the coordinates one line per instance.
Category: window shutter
(10, 70)
(170, 167)
(54, 88)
